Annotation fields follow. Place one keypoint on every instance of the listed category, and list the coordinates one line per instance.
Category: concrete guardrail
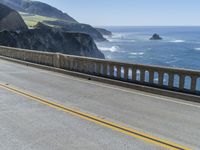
(182, 80)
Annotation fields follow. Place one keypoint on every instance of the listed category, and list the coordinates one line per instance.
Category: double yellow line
(99, 121)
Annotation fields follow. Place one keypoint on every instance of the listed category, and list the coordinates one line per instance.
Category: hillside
(35, 11)
(37, 8)
(10, 19)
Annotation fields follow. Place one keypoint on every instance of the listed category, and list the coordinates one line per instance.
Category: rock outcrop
(51, 40)
(11, 20)
(78, 27)
(104, 32)
(37, 8)
(156, 37)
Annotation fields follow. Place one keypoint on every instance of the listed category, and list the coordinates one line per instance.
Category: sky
(132, 12)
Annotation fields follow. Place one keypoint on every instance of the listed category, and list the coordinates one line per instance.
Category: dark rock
(10, 19)
(52, 40)
(37, 8)
(78, 27)
(156, 37)
(104, 32)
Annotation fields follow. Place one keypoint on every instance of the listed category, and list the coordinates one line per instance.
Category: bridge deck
(31, 125)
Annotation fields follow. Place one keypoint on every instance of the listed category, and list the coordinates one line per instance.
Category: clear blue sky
(131, 12)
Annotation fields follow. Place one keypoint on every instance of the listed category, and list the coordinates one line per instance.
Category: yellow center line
(99, 121)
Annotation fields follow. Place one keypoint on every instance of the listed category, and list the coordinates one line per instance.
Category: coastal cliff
(65, 37)
(52, 40)
(77, 27)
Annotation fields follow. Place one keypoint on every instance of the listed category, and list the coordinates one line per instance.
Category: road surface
(30, 120)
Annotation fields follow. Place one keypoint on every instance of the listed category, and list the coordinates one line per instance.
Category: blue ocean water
(180, 46)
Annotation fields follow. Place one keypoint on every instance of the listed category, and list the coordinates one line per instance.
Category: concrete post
(126, 68)
(181, 81)
(171, 80)
(160, 78)
(118, 71)
(142, 75)
(134, 74)
(151, 77)
(193, 83)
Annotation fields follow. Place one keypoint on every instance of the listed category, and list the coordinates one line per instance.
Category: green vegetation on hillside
(32, 20)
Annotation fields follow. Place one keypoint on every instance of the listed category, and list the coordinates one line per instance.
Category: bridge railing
(162, 77)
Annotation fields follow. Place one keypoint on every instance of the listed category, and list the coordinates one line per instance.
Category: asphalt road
(28, 124)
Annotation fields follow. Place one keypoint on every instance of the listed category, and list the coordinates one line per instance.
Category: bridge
(55, 101)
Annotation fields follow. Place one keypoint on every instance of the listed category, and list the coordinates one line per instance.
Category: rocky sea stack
(156, 37)
(11, 20)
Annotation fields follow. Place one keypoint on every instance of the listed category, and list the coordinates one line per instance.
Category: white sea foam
(110, 49)
(178, 41)
(137, 53)
(121, 40)
(197, 49)
(172, 61)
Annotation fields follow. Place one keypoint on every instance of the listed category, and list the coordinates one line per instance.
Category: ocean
(180, 46)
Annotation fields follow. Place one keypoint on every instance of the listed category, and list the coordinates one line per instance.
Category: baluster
(98, 68)
(142, 75)
(111, 70)
(160, 78)
(181, 81)
(151, 77)
(134, 74)
(90, 67)
(80, 66)
(171, 80)
(70, 64)
(118, 71)
(67, 64)
(73, 65)
(85, 68)
(126, 73)
(193, 83)
(105, 69)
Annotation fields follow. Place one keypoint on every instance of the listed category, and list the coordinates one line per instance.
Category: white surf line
(111, 87)
(123, 90)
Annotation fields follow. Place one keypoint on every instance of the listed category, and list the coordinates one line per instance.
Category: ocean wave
(177, 41)
(197, 49)
(137, 53)
(172, 61)
(121, 40)
(110, 49)
(120, 37)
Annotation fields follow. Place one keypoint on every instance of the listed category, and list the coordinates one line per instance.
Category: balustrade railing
(162, 77)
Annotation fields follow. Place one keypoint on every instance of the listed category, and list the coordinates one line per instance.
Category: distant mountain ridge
(61, 20)
(38, 8)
